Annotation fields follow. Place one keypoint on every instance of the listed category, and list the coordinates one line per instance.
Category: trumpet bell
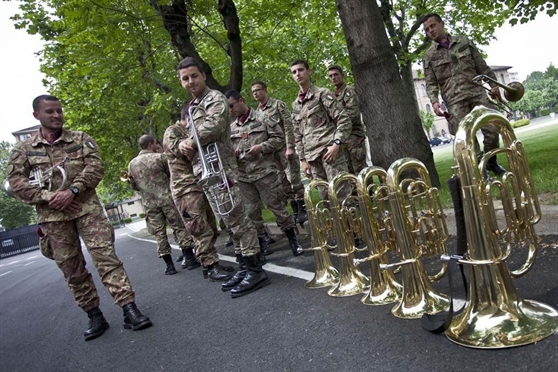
(7, 188)
(514, 91)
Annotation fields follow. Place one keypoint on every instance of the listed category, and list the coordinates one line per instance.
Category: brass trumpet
(495, 316)
(319, 219)
(126, 177)
(513, 92)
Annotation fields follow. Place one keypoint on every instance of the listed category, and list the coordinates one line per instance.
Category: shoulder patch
(90, 144)
(209, 98)
(36, 153)
(329, 97)
(14, 155)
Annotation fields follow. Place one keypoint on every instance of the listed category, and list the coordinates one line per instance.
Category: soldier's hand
(305, 168)
(61, 200)
(255, 150)
(331, 153)
(186, 148)
(289, 153)
(437, 107)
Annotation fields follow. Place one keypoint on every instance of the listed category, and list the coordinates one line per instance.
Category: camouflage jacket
(453, 69)
(318, 120)
(278, 112)
(258, 129)
(80, 159)
(348, 98)
(150, 173)
(182, 177)
(212, 119)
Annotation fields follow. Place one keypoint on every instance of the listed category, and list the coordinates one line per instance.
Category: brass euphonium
(418, 233)
(495, 316)
(351, 280)
(319, 220)
(378, 235)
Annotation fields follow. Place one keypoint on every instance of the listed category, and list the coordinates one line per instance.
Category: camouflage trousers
(355, 153)
(460, 109)
(62, 240)
(201, 224)
(290, 175)
(266, 190)
(327, 171)
(157, 219)
(236, 220)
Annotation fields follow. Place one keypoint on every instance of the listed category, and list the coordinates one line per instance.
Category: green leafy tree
(13, 212)
(427, 119)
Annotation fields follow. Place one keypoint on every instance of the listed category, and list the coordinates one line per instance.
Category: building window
(428, 109)
(502, 79)
(423, 89)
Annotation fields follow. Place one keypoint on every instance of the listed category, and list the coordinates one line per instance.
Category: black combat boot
(217, 273)
(189, 261)
(238, 276)
(268, 239)
(256, 277)
(134, 319)
(180, 258)
(302, 215)
(293, 242)
(170, 270)
(264, 247)
(493, 166)
(294, 206)
(97, 324)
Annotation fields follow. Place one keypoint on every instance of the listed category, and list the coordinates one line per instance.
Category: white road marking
(6, 273)
(29, 263)
(13, 262)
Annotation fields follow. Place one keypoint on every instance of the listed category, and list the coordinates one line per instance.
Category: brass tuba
(495, 316)
(41, 178)
(420, 230)
(213, 177)
(378, 235)
(351, 280)
(513, 92)
(319, 219)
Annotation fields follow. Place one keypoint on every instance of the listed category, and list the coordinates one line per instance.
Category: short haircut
(258, 82)
(145, 140)
(231, 93)
(300, 62)
(336, 67)
(189, 62)
(430, 15)
(43, 97)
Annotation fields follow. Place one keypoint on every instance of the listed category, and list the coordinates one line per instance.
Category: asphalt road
(282, 327)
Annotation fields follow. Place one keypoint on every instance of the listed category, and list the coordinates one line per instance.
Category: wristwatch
(74, 190)
(337, 142)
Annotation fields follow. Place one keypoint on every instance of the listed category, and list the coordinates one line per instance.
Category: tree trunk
(392, 122)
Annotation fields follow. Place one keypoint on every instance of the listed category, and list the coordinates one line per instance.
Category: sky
(527, 48)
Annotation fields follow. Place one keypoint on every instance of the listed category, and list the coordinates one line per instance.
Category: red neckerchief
(262, 105)
(243, 118)
(51, 137)
(446, 44)
(302, 95)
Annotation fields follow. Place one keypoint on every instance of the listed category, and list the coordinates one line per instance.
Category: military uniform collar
(341, 89)
(268, 103)
(146, 151)
(65, 136)
(309, 93)
(251, 117)
(200, 98)
(450, 39)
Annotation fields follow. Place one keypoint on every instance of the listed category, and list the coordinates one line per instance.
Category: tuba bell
(495, 316)
(378, 235)
(420, 230)
(319, 219)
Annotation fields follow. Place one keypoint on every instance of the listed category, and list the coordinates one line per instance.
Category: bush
(520, 123)
(127, 220)
(545, 112)
(142, 215)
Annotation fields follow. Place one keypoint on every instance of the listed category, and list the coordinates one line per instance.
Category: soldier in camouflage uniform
(355, 147)
(211, 118)
(321, 126)
(256, 139)
(149, 175)
(72, 210)
(286, 157)
(450, 64)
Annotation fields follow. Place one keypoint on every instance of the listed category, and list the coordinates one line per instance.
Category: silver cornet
(213, 177)
(40, 178)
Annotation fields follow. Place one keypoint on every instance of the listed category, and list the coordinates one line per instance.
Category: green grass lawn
(541, 148)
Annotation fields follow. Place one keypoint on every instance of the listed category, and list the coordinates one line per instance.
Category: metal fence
(18, 241)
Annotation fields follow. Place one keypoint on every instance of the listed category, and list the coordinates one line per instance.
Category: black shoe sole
(266, 282)
(139, 326)
(95, 335)
(171, 272)
(221, 279)
(191, 267)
